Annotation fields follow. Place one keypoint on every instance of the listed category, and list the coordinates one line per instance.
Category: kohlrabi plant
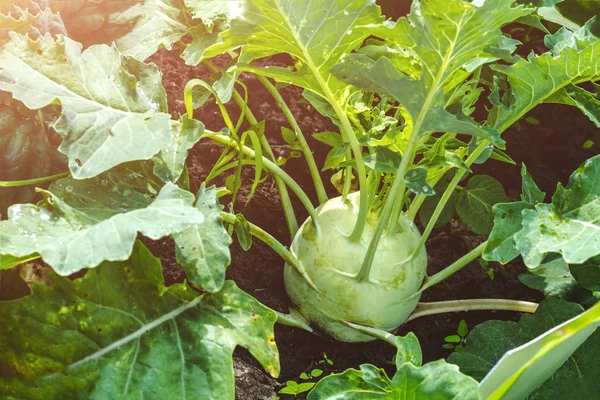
(402, 94)
(417, 103)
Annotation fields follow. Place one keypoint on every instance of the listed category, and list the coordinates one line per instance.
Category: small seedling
(489, 270)
(458, 341)
(294, 388)
(326, 360)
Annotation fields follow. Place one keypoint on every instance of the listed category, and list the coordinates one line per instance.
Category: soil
(551, 151)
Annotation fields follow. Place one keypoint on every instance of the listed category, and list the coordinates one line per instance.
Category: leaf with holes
(203, 250)
(83, 223)
(570, 225)
(120, 333)
(114, 108)
(170, 162)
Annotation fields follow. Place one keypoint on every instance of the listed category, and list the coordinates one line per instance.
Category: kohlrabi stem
(293, 319)
(415, 206)
(284, 196)
(266, 238)
(363, 210)
(35, 181)
(397, 190)
(396, 210)
(272, 168)
(365, 268)
(347, 182)
(373, 179)
(418, 201)
(310, 160)
(274, 244)
(446, 196)
(442, 307)
(452, 268)
(374, 332)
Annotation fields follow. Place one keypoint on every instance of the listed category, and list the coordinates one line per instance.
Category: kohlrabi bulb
(384, 301)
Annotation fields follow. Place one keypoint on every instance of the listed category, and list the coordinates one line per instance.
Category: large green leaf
(542, 358)
(203, 250)
(573, 60)
(570, 225)
(436, 380)
(119, 333)
(141, 27)
(476, 200)
(318, 33)
(147, 25)
(83, 223)
(446, 38)
(113, 108)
